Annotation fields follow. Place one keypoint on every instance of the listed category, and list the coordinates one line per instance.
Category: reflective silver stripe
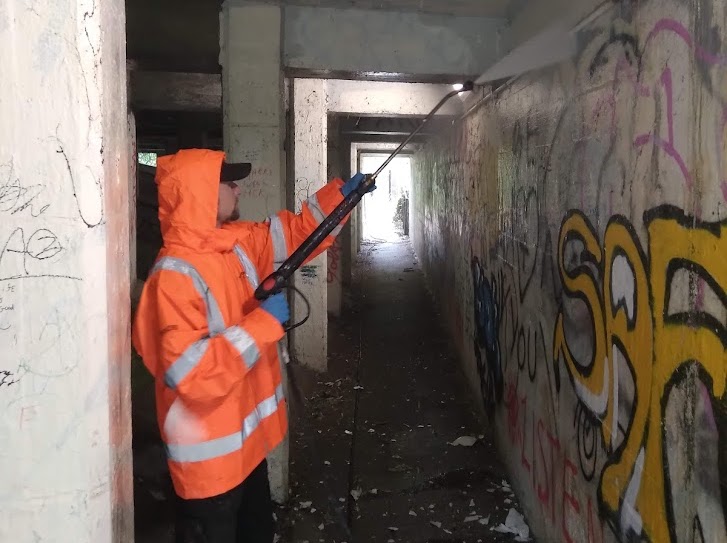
(280, 248)
(185, 363)
(243, 344)
(248, 265)
(316, 209)
(214, 448)
(263, 410)
(215, 322)
(197, 452)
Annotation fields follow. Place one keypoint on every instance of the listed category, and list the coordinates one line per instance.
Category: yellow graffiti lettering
(630, 335)
(644, 330)
(580, 282)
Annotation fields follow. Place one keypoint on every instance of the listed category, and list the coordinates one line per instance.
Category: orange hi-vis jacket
(201, 332)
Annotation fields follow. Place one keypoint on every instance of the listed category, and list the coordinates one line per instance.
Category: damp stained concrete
(371, 454)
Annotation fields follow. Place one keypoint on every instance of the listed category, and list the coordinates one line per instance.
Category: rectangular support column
(65, 427)
(254, 119)
(310, 127)
(334, 268)
(253, 131)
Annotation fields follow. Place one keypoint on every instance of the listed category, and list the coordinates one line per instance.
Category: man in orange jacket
(212, 347)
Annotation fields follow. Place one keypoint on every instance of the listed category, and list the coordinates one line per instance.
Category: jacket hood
(188, 185)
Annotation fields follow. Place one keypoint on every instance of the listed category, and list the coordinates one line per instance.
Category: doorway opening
(386, 210)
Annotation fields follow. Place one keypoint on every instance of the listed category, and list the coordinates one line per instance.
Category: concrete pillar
(334, 270)
(65, 427)
(253, 131)
(310, 127)
(252, 103)
(133, 161)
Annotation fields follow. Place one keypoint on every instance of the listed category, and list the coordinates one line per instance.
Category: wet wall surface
(573, 231)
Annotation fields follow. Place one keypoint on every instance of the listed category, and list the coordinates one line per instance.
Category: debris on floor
(393, 416)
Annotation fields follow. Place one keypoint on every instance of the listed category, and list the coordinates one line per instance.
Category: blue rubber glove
(278, 307)
(353, 183)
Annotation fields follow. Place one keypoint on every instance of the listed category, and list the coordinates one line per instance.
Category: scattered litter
(472, 518)
(472, 503)
(305, 505)
(358, 387)
(374, 491)
(435, 524)
(348, 432)
(485, 521)
(514, 524)
(356, 493)
(371, 430)
(321, 526)
(464, 441)
(412, 514)
(342, 500)
(446, 531)
(508, 500)
(393, 529)
(431, 506)
(327, 463)
(313, 509)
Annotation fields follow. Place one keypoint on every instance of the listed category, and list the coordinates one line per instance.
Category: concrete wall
(355, 40)
(64, 274)
(575, 232)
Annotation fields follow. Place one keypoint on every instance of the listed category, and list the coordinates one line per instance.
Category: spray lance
(280, 278)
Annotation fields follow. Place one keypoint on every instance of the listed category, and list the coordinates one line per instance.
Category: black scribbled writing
(8, 378)
(16, 197)
(42, 244)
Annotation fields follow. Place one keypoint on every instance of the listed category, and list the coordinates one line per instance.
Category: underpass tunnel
(520, 335)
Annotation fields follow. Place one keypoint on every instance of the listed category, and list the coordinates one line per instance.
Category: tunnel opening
(386, 211)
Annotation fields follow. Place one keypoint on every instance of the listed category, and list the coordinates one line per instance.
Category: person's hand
(353, 183)
(278, 307)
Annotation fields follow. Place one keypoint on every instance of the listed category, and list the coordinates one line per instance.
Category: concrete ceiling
(183, 35)
(468, 8)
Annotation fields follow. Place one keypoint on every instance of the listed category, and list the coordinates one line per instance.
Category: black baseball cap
(234, 171)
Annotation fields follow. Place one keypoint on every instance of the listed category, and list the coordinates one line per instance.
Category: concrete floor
(371, 458)
(383, 419)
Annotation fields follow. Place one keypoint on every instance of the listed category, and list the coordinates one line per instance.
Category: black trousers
(241, 515)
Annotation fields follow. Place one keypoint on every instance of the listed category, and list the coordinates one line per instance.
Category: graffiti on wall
(487, 341)
(334, 262)
(598, 299)
(652, 323)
